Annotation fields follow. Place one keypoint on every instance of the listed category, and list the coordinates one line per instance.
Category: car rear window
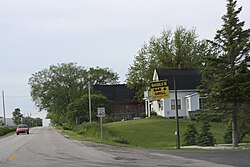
(22, 126)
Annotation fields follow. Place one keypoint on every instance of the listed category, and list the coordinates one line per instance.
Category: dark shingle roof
(186, 79)
(118, 93)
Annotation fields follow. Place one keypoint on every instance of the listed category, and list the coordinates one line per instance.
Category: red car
(23, 128)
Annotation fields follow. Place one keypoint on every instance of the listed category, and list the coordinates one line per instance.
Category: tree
(227, 69)
(102, 76)
(190, 136)
(79, 108)
(205, 137)
(167, 51)
(53, 89)
(28, 120)
(17, 116)
(38, 122)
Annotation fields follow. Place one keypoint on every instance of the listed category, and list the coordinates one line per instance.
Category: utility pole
(177, 117)
(90, 119)
(4, 119)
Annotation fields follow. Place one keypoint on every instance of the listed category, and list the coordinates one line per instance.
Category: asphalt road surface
(45, 147)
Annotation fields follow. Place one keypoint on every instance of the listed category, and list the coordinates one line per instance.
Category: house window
(173, 104)
(202, 103)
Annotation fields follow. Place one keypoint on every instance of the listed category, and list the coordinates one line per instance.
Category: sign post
(177, 117)
(101, 114)
(159, 90)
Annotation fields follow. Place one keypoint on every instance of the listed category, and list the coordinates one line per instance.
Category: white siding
(166, 111)
(194, 102)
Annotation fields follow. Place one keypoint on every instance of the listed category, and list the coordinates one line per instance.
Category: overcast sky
(35, 34)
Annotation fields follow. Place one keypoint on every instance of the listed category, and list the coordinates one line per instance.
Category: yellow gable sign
(159, 89)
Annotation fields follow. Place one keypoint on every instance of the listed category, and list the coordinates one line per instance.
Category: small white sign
(101, 112)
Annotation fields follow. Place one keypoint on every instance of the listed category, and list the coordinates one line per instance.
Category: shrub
(153, 114)
(207, 115)
(67, 126)
(190, 136)
(142, 115)
(90, 129)
(228, 136)
(5, 130)
(205, 137)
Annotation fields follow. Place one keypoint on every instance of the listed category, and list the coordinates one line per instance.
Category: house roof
(186, 79)
(119, 93)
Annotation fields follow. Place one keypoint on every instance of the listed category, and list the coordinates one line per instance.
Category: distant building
(9, 121)
(124, 106)
(188, 97)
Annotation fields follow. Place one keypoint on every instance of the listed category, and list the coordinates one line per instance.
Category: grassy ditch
(156, 133)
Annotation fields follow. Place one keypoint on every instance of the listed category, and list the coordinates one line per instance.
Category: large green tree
(17, 116)
(225, 75)
(167, 51)
(53, 89)
(80, 108)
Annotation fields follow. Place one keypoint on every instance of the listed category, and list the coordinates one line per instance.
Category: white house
(188, 97)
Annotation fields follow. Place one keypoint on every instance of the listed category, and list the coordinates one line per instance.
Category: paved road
(46, 147)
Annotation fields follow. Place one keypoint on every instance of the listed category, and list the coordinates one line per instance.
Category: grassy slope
(156, 133)
(148, 133)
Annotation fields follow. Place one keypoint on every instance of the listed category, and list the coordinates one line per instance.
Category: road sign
(159, 89)
(101, 112)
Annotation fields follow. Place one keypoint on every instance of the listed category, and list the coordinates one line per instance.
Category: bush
(90, 129)
(67, 126)
(228, 136)
(142, 115)
(207, 115)
(205, 137)
(5, 130)
(190, 136)
(152, 113)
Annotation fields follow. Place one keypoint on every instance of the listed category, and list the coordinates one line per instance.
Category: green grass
(156, 133)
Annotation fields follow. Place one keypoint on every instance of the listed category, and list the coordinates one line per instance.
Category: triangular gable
(155, 76)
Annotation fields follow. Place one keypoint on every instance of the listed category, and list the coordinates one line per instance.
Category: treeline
(63, 91)
(18, 118)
